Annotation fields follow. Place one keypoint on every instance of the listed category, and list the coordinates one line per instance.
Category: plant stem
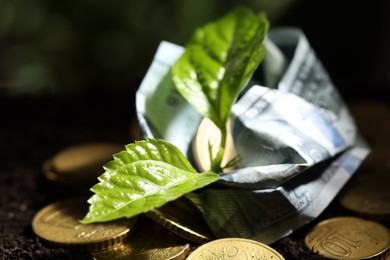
(216, 162)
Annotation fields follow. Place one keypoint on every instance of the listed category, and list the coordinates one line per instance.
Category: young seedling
(217, 63)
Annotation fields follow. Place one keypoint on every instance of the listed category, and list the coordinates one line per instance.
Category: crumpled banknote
(298, 144)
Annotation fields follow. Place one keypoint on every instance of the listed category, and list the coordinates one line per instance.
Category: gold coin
(349, 238)
(208, 135)
(80, 164)
(234, 248)
(58, 225)
(148, 240)
(368, 195)
(182, 218)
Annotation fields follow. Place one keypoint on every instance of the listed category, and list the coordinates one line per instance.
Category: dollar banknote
(161, 110)
(267, 215)
(298, 144)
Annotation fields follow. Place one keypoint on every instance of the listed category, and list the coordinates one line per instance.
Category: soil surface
(34, 128)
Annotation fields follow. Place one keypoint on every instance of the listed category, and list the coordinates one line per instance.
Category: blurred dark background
(69, 47)
(69, 71)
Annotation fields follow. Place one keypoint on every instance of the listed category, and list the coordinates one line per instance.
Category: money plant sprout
(217, 63)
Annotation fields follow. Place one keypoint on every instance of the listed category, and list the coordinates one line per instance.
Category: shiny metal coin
(234, 249)
(182, 218)
(80, 165)
(349, 238)
(368, 195)
(58, 225)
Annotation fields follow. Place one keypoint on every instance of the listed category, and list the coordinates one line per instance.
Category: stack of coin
(349, 238)
(57, 225)
(208, 138)
(80, 165)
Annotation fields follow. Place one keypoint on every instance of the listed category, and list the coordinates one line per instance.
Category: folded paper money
(297, 142)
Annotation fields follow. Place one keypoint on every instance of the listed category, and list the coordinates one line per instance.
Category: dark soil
(31, 130)
(34, 128)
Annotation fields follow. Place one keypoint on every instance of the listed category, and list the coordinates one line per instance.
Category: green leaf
(219, 61)
(147, 175)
